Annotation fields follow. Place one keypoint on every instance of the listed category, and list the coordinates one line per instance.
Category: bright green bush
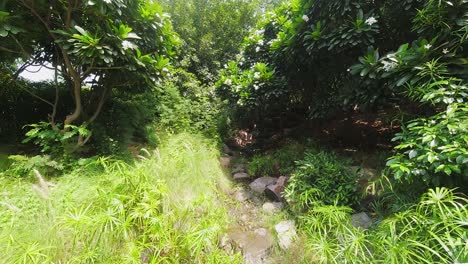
(322, 177)
(187, 105)
(55, 139)
(434, 149)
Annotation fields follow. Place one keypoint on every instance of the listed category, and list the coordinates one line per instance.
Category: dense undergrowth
(323, 193)
(164, 208)
(431, 231)
(81, 191)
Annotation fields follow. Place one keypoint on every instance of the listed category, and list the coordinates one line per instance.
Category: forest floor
(364, 139)
(260, 228)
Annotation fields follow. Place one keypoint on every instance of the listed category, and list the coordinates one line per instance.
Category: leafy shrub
(431, 149)
(322, 177)
(186, 105)
(22, 166)
(434, 149)
(278, 162)
(431, 231)
(55, 140)
(4, 162)
(128, 119)
(308, 46)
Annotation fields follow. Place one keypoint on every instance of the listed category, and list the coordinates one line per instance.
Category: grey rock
(275, 191)
(261, 232)
(244, 218)
(226, 244)
(271, 208)
(286, 233)
(225, 161)
(227, 150)
(257, 201)
(238, 168)
(254, 246)
(240, 176)
(260, 184)
(361, 220)
(242, 195)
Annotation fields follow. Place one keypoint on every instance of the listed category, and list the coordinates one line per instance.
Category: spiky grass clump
(432, 231)
(163, 209)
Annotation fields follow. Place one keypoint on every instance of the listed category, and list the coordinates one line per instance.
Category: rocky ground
(260, 230)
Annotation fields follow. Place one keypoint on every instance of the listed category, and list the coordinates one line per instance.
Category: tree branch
(9, 50)
(54, 108)
(35, 95)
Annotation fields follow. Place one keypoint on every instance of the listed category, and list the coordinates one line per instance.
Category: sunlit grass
(162, 209)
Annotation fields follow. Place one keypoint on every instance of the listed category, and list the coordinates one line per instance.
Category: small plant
(278, 162)
(322, 177)
(55, 141)
(22, 166)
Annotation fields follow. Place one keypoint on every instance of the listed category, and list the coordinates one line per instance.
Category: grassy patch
(163, 209)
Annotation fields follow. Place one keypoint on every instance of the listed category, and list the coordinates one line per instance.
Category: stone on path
(242, 195)
(286, 233)
(260, 184)
(227, 150)
(254, 245)
(275, 192)
(225, 161)
(271, 208)
(238, 168)
(361, 220)
(240, 176)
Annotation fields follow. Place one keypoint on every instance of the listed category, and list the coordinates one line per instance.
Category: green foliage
(278, 162)
(128, 120)
(187, 105)
(53, 140)
(246, 86)
(431, 231)
(4, 162)
(434, 149)
(212, 32)
(100, 49)
(322, 177)
(309, 46)
(433, 69)
(22, 166)
(163, 208)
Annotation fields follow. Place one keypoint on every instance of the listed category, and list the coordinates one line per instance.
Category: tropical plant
(279, 162)
(309, 46)
(322, 177)
(431, 231)
(433, 72)
(95, 46)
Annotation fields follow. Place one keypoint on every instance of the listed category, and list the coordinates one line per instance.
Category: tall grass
(162, 209)
(431, 231)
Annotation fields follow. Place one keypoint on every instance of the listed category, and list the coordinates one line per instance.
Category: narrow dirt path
(259, 230)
